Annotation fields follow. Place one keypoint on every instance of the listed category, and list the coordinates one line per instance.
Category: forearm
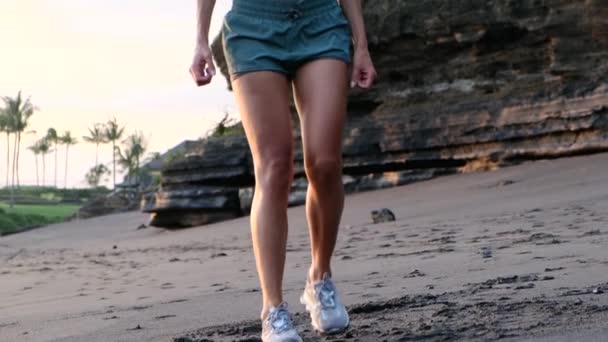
(204, 12)
(354, 13)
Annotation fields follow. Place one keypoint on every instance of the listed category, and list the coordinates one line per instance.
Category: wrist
(202, 42)
(360, 44)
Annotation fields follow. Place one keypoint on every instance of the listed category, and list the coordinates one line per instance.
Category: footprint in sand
(166, 286)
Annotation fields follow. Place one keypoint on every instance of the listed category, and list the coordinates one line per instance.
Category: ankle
(267, 306)
(315, 274)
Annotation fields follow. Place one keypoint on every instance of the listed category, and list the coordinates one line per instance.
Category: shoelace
(327, 294)
(280, 320)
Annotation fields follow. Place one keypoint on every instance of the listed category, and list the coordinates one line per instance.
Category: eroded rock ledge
(462, 86)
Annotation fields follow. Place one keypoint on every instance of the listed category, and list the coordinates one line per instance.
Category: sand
(517, 254)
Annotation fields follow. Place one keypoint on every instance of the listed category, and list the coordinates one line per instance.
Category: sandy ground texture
(517, 254)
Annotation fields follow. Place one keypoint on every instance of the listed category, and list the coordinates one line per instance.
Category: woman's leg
(263, 102)
(320, 90)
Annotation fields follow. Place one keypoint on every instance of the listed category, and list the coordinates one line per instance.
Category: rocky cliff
(462, 86)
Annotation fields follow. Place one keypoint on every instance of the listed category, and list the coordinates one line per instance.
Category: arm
(202, 68)
(363, 73)
(354, 13)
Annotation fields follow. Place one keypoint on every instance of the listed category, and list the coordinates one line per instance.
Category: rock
(245, 199)
(382, 215)
(176, 219)
(113, 203)
(142, 226)
(486, 252)
(462, 87)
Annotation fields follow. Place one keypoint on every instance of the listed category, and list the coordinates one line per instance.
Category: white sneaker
(327, 312)
(278, 327)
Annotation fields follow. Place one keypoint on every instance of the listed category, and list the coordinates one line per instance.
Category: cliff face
(461, 80)
(462, 86)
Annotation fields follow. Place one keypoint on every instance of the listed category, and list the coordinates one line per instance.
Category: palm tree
(67, 140)
(96, 136)
(95, 174)
(44, 147)
(5, 127)
(52, 137)
(135, 147)
(36, 151)
(19, 111)
(113, 132)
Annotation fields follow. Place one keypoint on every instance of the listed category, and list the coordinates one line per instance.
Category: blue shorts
(281, 35)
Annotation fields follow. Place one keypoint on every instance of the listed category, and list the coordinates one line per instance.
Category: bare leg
(263, 101)
(320, 90)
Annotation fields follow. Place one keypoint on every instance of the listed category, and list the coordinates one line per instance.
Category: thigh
(263, 102)
(320, 91)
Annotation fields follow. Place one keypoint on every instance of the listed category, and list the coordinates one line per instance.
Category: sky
(84, 62)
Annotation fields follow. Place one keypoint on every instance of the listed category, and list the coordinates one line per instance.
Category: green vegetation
(39, 206)
(227, 126)
(23, 217)
(50, 211)
(50, 195)
(26, 206)
(113, 133)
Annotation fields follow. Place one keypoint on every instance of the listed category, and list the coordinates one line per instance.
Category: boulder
(116, 202)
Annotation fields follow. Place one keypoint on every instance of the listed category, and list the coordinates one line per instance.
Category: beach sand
(518, 254)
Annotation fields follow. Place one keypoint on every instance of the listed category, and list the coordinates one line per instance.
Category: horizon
(78, 71)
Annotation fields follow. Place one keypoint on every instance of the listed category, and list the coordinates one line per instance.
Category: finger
(368, 79)
(361, 79)
(205, 79)
(199, 75)
(210, 66)
(354, 78)
(366, 82)
(196, 75)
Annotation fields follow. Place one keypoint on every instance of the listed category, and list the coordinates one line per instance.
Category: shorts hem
(342, 57)
(247, 70)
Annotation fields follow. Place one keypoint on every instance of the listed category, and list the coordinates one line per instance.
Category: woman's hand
(202, 68)
(363, 72)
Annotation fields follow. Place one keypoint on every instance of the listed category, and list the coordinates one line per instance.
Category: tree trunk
(113, 164)
(12, 204)
(65, 180)
(56, 150)
(8, 153)
(96, 154)
(18, 153)
(37, 176)
(137, 171)
(43, 169)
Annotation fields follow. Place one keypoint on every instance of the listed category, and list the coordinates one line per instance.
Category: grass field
(52, 210)
(23, 217)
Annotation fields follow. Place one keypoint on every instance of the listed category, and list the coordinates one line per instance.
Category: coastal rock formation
(462, 86)
(113, 203)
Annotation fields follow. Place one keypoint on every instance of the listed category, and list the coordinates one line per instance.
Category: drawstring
(294, 12)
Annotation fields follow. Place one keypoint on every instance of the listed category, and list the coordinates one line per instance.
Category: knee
(275, 174)
(323, 171)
